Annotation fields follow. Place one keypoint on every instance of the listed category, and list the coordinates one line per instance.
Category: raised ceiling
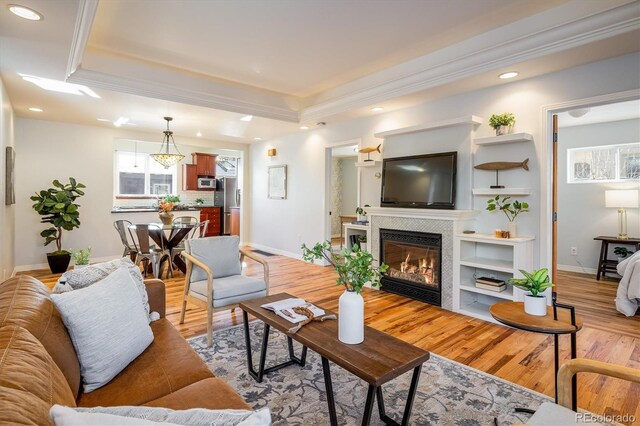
(290, 62)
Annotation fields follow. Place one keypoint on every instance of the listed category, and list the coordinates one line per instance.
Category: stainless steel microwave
(206, 183)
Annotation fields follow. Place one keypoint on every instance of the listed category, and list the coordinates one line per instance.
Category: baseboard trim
(579, 269)
(35, 266)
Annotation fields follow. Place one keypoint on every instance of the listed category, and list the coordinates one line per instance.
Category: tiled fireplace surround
(444, 222)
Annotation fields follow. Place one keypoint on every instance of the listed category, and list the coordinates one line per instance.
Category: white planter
(351, 318)
(511, 227)
(535, 305)
(504, 130)
(362, 218)
(363, 246)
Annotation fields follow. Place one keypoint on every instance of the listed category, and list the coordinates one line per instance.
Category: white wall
(48, 150)
(284, 225)
(582, 214)
(7, 213)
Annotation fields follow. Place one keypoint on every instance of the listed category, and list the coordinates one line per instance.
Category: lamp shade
(621, 198)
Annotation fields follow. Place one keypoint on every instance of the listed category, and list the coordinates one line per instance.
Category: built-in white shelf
(459, 121)
(371, 163)
(488, 263)
(501, 191)
(492, 239)
(511, 138)
(506, 294)
(478, 310)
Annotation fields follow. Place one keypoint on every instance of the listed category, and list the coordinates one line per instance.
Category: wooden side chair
(214, 279)
(561, 413)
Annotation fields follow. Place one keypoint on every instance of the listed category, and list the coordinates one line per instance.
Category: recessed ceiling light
(509, 74)
(377, 109)
(25, 12)
(199, 134)
(257, 139)
(247, 118)
(59, 86)
(104, 119)
(35, 109)
(304, 127)
(120, 121)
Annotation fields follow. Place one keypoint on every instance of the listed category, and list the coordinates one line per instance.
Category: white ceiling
(601, 114)
(209, 63)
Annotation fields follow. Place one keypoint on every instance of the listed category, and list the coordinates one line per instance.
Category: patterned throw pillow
(84, 277)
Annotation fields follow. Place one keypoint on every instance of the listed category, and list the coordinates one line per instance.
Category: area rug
(449, 393)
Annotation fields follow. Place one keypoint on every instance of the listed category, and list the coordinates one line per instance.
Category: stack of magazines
(490, 284)
(284, 309)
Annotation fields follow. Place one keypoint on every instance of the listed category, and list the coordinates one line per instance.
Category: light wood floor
(518, 356)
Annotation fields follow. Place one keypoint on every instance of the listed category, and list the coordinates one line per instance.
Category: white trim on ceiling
(84, 21)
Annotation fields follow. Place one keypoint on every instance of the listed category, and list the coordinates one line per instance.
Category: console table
(605, 264)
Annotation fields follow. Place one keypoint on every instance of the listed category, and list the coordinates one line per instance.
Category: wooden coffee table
(377, 360)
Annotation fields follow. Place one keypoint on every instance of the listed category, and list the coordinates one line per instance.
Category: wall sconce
(272, 152)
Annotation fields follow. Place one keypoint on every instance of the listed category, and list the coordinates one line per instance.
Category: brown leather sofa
(39, 366)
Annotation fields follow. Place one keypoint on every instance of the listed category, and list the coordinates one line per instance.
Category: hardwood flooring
(518, 356)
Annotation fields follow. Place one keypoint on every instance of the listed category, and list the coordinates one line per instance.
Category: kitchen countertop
(155, 209)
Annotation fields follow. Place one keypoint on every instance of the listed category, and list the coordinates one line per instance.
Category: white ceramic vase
(535, 305)
(351, 318)
(511, 227)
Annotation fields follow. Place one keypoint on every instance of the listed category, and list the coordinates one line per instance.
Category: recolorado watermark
(607, 418)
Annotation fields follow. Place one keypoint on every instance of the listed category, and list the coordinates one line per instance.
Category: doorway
(597, 151)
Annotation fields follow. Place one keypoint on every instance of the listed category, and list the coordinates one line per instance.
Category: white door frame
(545, 154)
(327, 181)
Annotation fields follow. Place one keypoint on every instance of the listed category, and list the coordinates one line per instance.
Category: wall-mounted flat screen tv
(421, 181)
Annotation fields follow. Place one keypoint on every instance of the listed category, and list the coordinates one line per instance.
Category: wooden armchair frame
(208, 303)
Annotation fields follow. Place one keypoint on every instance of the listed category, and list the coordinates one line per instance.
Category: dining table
(170, 236)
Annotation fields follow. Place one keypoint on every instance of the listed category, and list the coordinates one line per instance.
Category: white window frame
(616, 179)
(144, 160)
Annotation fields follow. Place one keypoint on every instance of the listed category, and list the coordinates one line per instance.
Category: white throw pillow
(107, 324)
(128, 415)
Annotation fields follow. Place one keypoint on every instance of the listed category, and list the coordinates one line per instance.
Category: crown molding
(84, 21)
(476, 56)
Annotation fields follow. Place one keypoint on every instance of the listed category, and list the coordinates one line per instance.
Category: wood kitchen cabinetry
(205, 164)
(214, 216)
(189, 177)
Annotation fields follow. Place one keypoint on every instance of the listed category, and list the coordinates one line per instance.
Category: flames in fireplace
(418, 269)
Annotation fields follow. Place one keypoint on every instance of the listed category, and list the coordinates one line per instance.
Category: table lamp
(621, 199)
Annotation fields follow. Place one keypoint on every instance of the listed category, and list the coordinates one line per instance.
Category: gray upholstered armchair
(214, 279)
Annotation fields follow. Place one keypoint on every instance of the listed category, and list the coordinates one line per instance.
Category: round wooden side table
(560, 319)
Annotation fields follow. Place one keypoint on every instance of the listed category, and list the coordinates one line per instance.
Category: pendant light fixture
(164, 157)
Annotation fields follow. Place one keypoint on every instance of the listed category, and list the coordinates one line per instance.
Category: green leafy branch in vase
(354, 266)
(510, 209)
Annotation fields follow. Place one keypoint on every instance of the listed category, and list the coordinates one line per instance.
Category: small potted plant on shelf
(199, 201)
(355, 269)
(622, 253)
(534, 283)
(510, 208)
(362, 242)
(57, 207)
(362, 214)
(81, 257)
(502, 123)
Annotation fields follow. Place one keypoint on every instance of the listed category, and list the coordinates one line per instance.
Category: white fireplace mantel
(437, 214)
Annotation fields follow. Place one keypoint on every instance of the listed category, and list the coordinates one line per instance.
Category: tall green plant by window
(57, 206)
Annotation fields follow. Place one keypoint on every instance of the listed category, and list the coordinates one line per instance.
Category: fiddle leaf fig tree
(57, 207)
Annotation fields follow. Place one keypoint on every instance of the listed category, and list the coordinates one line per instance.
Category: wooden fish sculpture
(370, 149)
(503, 165)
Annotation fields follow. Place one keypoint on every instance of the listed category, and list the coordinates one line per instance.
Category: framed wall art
(277, 182)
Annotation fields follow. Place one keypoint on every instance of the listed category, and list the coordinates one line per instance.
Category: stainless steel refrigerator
(227, 196)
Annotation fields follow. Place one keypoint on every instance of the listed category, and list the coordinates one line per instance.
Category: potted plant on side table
(355, 269)
(622, 253)
(534, 283)
(57, 206)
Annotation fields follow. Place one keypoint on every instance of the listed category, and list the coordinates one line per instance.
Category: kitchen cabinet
(205, 163)
(189, 177)
(235, 221)
(213, 215)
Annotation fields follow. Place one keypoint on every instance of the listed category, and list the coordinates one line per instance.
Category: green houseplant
(355, 269)
(511, 209)
(534, 283)
(502, 123)
(57, 207)
(622, 253)
(361, 212)
(81, 257)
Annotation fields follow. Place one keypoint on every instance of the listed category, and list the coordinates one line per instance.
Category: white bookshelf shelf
(506, 294)
(501, 191)
(459, 121)
(511, 138)
(488, 263)
(368, 163)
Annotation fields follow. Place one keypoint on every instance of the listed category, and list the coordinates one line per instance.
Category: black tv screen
(421, 181)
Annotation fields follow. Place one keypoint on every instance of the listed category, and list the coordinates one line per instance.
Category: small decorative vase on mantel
(351, 318)
(355, 268)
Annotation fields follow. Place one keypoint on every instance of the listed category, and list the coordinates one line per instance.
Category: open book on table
(284, 309)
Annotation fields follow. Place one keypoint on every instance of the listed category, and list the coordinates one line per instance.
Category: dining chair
(214, 279)
(147, 252)
(122, 226)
